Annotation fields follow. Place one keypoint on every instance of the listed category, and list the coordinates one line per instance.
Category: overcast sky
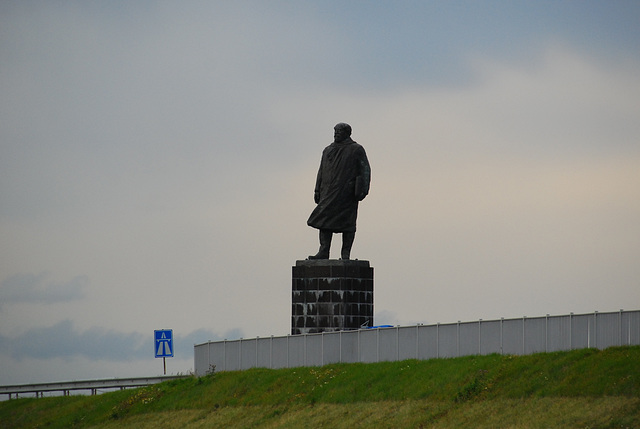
(158, 159)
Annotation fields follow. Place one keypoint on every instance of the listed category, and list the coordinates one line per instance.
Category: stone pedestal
(331, 295)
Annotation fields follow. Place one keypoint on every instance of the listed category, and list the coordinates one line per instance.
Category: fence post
(570, 331)
(458, 339)
(257, 341)
(620, 327)
(479, 336)
(524, 342)
(224, 355)
(502, 335)
(438, 339)
(595, 329)
(546, 333)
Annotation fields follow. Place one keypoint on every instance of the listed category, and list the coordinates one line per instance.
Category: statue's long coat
(343, 180)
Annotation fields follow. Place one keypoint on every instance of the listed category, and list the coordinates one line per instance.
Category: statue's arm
(364, 177)
(316, 192)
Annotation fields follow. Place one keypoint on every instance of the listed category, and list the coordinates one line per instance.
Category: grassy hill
(578, 389)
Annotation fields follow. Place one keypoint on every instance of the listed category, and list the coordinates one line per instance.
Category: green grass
(582, 388)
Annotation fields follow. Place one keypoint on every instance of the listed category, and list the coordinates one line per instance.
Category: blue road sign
(164, 343)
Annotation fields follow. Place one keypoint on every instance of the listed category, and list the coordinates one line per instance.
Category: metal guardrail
(93, 385)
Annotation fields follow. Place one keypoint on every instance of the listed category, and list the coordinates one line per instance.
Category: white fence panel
(296, 351)
(631, 327)
(313, 351)
(368, 345)
(512, 337)
(264, 352)
(407, 343)
(330, 349)
(201, 358)
(428, 341)
(387, 344)
(248, 353)
(349, 346)
(280, 352)
(559, 333)
(448, 341)
(580, 331)
(469, 339)
(490, 337)
(535, 335)
(216, 356)
(607, 329)
(232, 356)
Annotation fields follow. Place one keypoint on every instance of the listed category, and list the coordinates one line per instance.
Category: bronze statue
(343, 180)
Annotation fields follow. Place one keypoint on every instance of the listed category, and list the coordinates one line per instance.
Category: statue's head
(341, 131)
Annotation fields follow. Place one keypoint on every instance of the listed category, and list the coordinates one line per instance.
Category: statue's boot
(347, 242)
(325, 245)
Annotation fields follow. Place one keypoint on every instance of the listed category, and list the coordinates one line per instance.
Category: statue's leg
(347, 242)
(325, 245)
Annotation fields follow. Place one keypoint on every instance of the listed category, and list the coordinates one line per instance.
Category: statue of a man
(343, 180)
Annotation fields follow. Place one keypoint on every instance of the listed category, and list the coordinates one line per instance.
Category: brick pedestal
(331, 295)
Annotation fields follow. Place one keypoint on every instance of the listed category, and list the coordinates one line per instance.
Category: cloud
(35, 288)
(63, 340)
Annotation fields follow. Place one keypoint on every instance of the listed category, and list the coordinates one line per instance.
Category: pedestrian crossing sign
(164, 343)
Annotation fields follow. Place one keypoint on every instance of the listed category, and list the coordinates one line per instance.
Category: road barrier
(91, 385)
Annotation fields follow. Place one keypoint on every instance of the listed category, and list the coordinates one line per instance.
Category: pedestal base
(331, 295)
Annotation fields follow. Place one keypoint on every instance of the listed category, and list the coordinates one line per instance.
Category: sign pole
(164, 345)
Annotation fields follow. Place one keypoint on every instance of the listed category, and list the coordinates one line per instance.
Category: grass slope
(582, 388)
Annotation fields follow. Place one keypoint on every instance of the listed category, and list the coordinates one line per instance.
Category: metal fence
(505, 336)
(94, 386)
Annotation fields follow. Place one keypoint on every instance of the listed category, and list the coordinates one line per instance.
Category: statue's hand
(361, 189)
